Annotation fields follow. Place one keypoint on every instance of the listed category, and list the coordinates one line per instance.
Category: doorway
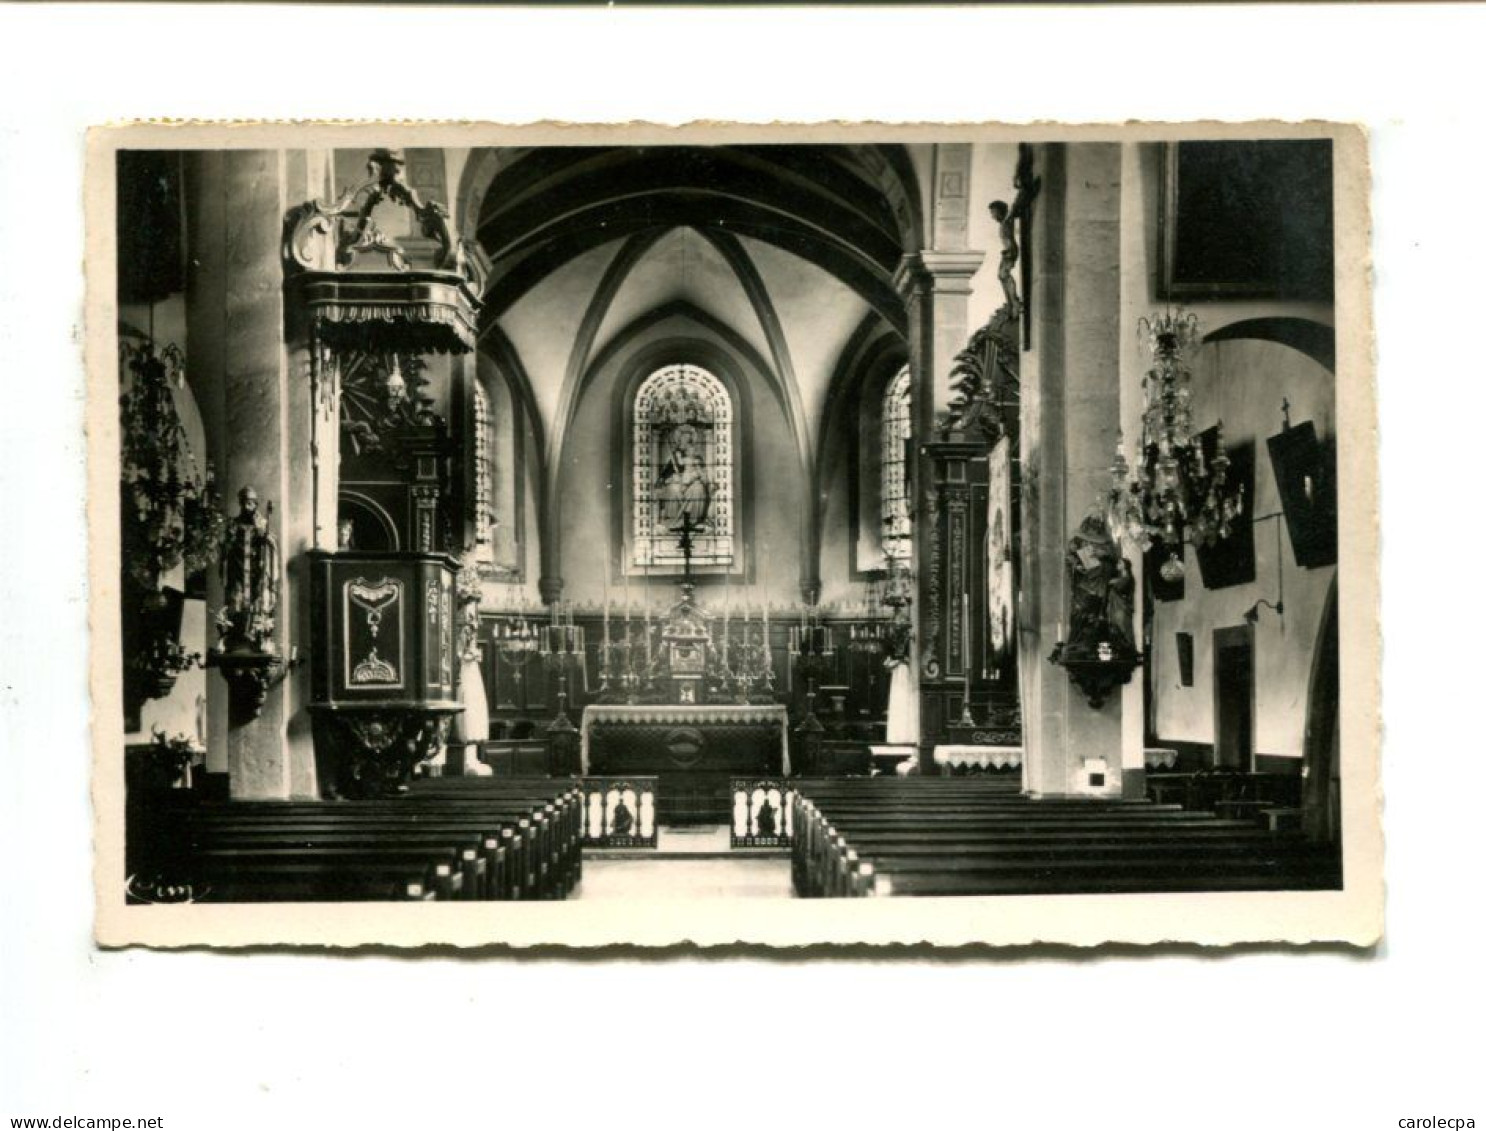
(1233, 698)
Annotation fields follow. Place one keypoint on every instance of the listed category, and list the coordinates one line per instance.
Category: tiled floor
(744, 877)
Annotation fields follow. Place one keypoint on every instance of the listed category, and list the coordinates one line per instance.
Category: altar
(695, 751)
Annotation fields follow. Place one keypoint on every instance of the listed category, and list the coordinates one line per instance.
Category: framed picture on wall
(1246, 220)
(1306, 478)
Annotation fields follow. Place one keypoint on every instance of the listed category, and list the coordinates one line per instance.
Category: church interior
(776, 520)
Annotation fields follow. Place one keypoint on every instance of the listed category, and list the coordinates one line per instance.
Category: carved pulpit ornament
(248, 563)
(1100, 653)
(365, 292)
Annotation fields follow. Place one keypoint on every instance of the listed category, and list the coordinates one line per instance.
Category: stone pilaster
(237, 333)
(1071, 416)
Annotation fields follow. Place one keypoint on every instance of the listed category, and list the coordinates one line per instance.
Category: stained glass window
(484, 427)
(897, 411)
(683, 469)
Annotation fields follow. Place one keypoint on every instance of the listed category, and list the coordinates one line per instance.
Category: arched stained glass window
(897, 429)
(484, 438)
(683, 469)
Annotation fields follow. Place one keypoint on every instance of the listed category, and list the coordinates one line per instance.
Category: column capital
(937, 272)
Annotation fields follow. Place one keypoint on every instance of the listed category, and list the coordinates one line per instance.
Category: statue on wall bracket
(246, 652)
(1100, 652)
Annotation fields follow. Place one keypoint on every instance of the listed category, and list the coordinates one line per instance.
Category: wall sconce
(1252, 616)
(1278, 604)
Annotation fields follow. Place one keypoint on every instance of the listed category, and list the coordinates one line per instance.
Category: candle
(624, 568)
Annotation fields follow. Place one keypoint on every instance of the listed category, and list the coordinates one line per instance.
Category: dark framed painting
(1305, 473)
(1246, 219)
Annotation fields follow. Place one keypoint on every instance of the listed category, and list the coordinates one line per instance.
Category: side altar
(687, 698)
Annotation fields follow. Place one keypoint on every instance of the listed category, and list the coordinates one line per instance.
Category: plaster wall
(837, 588)
(543, 324)
(1241, 382)
(817, 314)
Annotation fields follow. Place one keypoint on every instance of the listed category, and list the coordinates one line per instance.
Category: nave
(512, 523)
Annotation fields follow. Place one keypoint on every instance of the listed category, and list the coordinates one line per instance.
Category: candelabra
(812, 646)
(1175, 490)
(746, 661)
(622, 662)
(516, 640)
(561, 641)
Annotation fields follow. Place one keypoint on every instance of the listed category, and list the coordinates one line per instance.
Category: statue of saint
(1092, 568)
(623, 823)
(249, 568)
(768, 824)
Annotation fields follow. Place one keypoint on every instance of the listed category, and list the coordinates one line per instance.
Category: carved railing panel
(762, 813)
(619, 812)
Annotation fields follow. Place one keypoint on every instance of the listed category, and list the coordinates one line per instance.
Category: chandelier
(1176, 490)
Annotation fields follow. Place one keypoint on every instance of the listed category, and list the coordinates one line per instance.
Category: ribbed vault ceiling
(829, 205)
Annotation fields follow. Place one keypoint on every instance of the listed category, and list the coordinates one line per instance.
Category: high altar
(691, 702)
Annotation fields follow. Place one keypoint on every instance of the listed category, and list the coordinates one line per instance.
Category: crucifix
(1014, 226)
(686, 528)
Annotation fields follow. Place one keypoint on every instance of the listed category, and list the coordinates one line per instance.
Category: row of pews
(980, 836)
(1268, 798)
(460, 839)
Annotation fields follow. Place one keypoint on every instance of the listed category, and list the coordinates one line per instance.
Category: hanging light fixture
(1175, 491)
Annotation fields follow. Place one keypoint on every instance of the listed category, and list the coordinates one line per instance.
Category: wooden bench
(448, 839)
(976, 837)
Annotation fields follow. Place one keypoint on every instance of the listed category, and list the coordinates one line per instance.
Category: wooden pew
(465, 839)
(918, 838)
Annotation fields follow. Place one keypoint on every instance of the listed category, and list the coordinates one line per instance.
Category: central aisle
(743, 877)
(689, 862)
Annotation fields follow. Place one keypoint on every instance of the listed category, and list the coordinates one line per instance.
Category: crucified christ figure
(1005, 217)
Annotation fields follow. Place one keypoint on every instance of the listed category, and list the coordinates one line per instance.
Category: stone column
(1071, 418)
(935, 286)
(236, 326)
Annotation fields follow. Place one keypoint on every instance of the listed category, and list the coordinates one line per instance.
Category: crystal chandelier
(1176, 491)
